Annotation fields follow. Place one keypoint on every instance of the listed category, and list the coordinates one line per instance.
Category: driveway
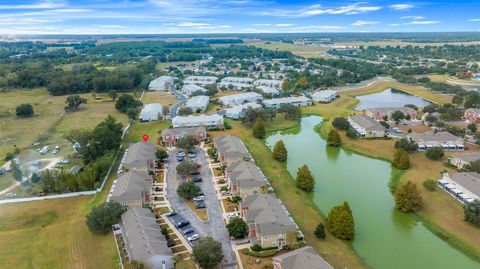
(182, 100)
(215, 225)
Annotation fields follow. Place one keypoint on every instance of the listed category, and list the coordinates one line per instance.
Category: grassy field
(53, 234)
(442, 212)
(50, 122)
(163, 98)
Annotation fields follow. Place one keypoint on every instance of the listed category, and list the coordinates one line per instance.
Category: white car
(192, 238)
(199, 198)
(232, 215)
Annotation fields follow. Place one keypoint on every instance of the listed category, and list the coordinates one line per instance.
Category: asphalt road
(214, 226)
(179, 96)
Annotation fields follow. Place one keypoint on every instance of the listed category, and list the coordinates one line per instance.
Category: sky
(235, 16)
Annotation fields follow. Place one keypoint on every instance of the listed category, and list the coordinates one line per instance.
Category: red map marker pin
(145, 137)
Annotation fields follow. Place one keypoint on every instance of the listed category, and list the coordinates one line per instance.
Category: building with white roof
(325, 96)
(366, 126)
(198, 103)
(207, 121)
(151, 112)
(464, 186)
(271, 83)
(200, 80)
(162, 83)
(239, 99)
(190, 89)
(236, 83)
(269, 90)
(445, 140)
(238, 112)
(295, 101)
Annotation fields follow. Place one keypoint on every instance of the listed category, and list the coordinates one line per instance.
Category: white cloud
(39, 5)
(274, 24)
(317, 9)
(421, 22)
(474, 20)
(192, 24)
(362, 23)
(413, 17)
(401, 6)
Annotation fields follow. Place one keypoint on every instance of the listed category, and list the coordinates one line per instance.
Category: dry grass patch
(201, 213)
(250, 262)
(163, 98)
(229, 206)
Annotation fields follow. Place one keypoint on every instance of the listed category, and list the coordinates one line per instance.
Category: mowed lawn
(50, 122)
(53, 234)
(441, 211)
(163, 98)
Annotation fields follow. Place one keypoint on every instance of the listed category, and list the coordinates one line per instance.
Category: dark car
(196, 173)
(171, 214)
(197, 179)
(180, 159)
(187, 231)
(182, 223)
(199, 204)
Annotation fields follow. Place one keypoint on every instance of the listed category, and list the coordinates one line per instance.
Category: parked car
(182, 223)
(193, 237)
(181, 154)
(171, 214)
(187, 231)
(232, 215)
(196, 173)
(191, 155)
(199, 204)
(199, 198)
(180, 158)
(197, 179)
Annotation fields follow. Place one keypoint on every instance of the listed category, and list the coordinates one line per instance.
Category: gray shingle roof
(132, 186)
(143, 236)
(267, 214)
(470, 157)
(231, 147)
(439, 137)
(367, 123)
(139, 154)
(246, 175)
(305, 257)
(468, 180)
(184, 131)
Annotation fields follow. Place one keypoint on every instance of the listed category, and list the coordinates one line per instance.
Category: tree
(397, 116)
(408, 198)
(406, 144)
(185, 111)
(279, 151)
(186, 167)
(334, 139)
(341, 123)
(187, 142)
(471, 212)
(430, 184)
(24, 111)
(102, 217)
(320, 231)
(161, 154)
(113, 94)
(73, 102)
(290, 112)
(352, 133)
(165, 110)
(258, 129)
(207, 253)
(472, 127)
(35, 178)
(237, 228)
(305, 180)
(188, 190)
(435, 153)
(126, 101)
(457, 99)
(401, 159)
(132, 113)
(340, 222)
(473, 166)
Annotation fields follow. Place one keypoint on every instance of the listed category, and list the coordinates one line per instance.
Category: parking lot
(215, 225)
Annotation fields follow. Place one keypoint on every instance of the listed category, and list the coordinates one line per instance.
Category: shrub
(237, 228)
(401, 159)
(259, 129)
(24, 111)
(188, 190)
(352, 133)
(406, 144)
(320, 231)
(334, 139)
(430, 184)
(472, 212)
(256, 247)
(341, 123)
(279, 151)
(435, 153)
(305, 179)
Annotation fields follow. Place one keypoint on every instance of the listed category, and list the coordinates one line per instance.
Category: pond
(385, 237)
(389, 98)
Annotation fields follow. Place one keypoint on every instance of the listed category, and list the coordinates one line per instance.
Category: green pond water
(385, 238)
